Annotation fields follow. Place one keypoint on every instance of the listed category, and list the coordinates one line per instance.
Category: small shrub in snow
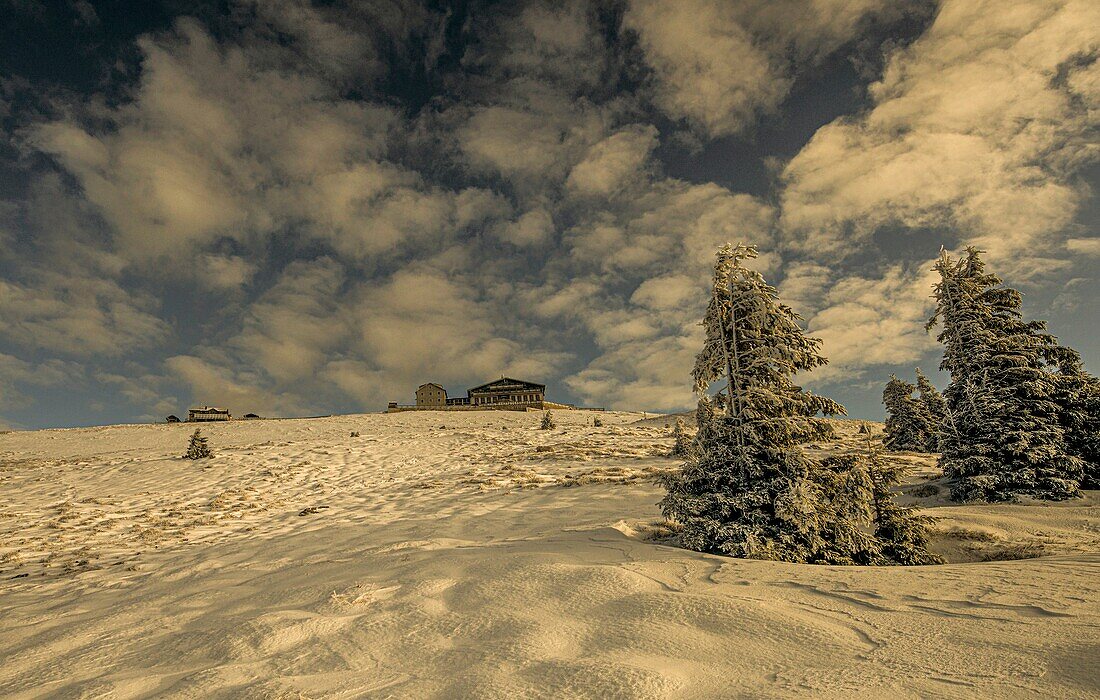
(197, 448)
(547, 421)
(355, 433)
(1014, 552)
(597, 423)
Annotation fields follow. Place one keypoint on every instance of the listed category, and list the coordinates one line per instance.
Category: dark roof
(508, 381)
(430, 384)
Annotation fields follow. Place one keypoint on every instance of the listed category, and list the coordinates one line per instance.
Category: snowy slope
(471, 554)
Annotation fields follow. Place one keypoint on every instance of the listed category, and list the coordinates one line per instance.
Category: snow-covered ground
(469, 554)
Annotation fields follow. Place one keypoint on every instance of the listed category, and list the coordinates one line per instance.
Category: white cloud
(533, 228)
(80, 316)
(977, 127)
(611, 164)
(719, 64)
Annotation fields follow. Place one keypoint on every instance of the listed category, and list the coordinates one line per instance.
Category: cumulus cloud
(18, 375)
(867, 322)
(79, 316)
(977, 128)
(720, 64)
(610, 165)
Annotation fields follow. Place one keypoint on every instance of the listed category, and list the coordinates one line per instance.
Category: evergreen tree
(1004, 437)
(1078, 398)
(934, 409)
(197, 447)
(907, 428)
(681, 446)
(903, 532)
(547, 421)
(749, 490)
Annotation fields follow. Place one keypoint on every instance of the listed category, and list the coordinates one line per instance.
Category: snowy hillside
(446, 554)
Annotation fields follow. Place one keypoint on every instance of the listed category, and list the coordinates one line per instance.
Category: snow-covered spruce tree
(749, 490)
(197, 447)
(1078, 398)
(907, 428)
(934, 409)
(903, 532)
(681, 445)
(547, 421)
(1004, 437)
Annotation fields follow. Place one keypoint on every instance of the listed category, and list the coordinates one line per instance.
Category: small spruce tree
(934, 409)
(597, 422)
(748, 489)
(547, 421)
(197, 447)
(1005, 436)
(907, 428)
(681, 445)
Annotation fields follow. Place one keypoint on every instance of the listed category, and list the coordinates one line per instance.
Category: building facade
(508, 392)
(505, 393)
(207, 413)
(431, 395)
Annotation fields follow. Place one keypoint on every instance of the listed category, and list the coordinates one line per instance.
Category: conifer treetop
(755, 341)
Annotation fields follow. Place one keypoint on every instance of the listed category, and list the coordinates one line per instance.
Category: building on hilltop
(508, 391)
(505, 393)
(204, 414)
(431, 395)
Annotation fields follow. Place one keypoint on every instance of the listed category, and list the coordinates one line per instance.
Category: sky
(295, 208)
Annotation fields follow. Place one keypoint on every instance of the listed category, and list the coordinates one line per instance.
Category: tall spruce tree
(907, 427)
(1004, 437)
(748, 490)
(934, 409)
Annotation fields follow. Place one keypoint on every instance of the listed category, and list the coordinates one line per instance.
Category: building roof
(207, 409)
(508, 382)
(439, 386)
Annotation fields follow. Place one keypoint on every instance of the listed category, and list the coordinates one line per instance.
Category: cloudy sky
(297, 208)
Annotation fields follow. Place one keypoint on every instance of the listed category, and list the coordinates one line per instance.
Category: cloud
(611, 164)
(867, 322)
(1088, 247)
(79, 316)
(977, 128)
(290, 329)
(241, 390)
(720, 64)
(533, 228)
(18, 375)
(225, 272)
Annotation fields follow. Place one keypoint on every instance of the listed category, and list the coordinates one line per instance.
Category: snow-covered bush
(197, 447)
(547, 421)
(749, 490)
